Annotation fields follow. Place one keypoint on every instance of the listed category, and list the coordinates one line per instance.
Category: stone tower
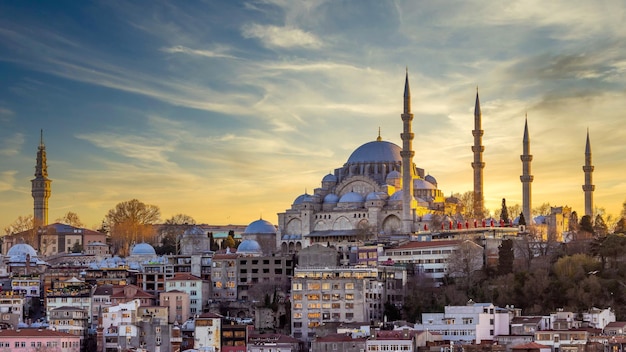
(526, 177)
(41, 187)
(588, 187)
(478, 165)
(407, 154)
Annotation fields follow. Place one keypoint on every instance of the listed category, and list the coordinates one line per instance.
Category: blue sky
(228, 110)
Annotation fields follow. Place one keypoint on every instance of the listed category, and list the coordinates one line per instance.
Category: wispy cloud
(7, 180)
(219, 53)
(12, 145)
(5, 114)
(281, 37)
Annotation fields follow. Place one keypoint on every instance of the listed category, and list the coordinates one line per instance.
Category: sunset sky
(228, 110)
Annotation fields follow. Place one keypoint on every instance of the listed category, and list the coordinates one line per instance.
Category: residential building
(598, 318)
(271, 272)
(428, 258)
(475, 322)
(177, 303)
(72, 292)
(27, 285)
(234, 337)
(224, 277)
(71, 320)
(573, 340)
(208, 332)
(338, 342)
(26, 340)
(615, 328)
(128, 293)
(11, 309)
(197, 289)
(276, 342)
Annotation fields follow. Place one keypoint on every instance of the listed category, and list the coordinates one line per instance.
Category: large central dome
(376, 151)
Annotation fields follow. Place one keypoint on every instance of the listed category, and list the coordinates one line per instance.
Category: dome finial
(378, 139)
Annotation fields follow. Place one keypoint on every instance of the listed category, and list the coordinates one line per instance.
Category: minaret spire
(588, 187)
(407, 154)
(40, 186)
(526, 177)
(478, 165)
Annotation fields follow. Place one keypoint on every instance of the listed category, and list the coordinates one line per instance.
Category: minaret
(478, 165)
(526, 177)
(407, 154)
(588, 187)
(41, 186)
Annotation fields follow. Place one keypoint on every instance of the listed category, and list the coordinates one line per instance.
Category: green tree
(130, 222)
(522, 219)
(599, 226)
(77, 248)
(229, 242)
(585, 224)
(506, 256)
(620, 226)
(504, 213)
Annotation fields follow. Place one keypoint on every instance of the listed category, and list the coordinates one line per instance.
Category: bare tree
(70, 218)
(21, 224)
(465, 262)
(130, 222)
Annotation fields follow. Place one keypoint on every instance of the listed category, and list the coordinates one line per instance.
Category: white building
(431, 258)
(208, 332)
(197, 289)
(473, 322)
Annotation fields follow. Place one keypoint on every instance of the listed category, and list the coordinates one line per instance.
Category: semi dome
(21, 250)
(423, 184)
(249, 247)
(376, 151)
(397, 196)
(331, 198)
(260, 226)
(303, 198)
(142, 249)
(431, 179)
(376, 196)
(393, 175)
(351, 197)
(329, 178)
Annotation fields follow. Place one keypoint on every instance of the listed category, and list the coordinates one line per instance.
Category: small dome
(331, 198)
(329, 178)
(394, 175)
(249, 247)
(260, 226)
(431, 179)
(22, 249)
(397, 196)
(376, 151)
(422, 184)
(194, 231)
(351, 197)
(376, 196)
(303, 198)
(142, 249)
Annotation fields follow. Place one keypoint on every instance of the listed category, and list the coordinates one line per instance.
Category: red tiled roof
(427, 244)
(184, 277)
(616, 324)
(35, 333)
(530, 346)
(338, 338)
(210, 316)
